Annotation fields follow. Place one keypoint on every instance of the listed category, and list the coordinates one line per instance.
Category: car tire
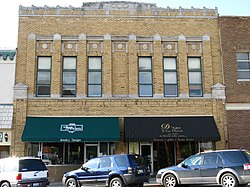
(116, 182)
(5, 184)
(71, 182)
(170, 181)
(229, 180)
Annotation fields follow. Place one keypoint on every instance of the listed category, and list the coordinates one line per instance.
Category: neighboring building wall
(235, 39)
(7, 78)
(119, 36)
(7, 72)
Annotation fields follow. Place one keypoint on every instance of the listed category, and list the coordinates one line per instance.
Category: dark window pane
(43, 90)
(145, 77)
(195, 90)
(95, 90)
(95, 63)
(195, 77)
(170, 78)
(244, 74)
(242, 56)
(69, 77)
(69, 63)
(194, 64)
(43, 77)
(145, 64)
(95, 78)
(145, 90)
(170, 90)
(44, 63)
(69, 90)
(243, 65)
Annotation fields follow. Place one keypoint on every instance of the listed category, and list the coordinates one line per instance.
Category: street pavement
(151, 182)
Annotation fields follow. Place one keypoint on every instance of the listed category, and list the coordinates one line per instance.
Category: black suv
(113, 171)
(229, 168)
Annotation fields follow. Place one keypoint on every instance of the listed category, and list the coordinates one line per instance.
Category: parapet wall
(119, 8)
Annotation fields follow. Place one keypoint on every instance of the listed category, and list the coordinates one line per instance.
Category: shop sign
(173, 133)
(71, 128)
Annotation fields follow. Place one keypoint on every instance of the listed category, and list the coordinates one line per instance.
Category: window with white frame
(94, 76)
(145, 77)
(170, 77)
(243, 62)
(69, 77)
(43, 82)
(195, 77)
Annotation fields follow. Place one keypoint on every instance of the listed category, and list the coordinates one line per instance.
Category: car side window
(212, 159)
(92, 164)
(193, 160)
(105, 162)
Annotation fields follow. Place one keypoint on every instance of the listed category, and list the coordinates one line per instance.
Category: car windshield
(31, 165)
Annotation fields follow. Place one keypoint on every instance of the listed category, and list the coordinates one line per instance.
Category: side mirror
(184, 165)
(84, 168)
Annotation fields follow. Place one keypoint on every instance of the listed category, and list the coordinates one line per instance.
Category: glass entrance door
(147, 152)
(91, 151)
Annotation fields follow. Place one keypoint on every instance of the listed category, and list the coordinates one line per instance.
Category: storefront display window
(134, 147)
(69, 153)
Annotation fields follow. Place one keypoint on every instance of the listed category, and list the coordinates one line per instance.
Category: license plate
(36, 184)
(140, 171)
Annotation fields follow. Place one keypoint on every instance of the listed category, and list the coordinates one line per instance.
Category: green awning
(71, 129)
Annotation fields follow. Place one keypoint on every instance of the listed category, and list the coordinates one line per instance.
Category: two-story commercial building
(118, 77)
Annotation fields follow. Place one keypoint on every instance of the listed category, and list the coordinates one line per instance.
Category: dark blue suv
(113, 171)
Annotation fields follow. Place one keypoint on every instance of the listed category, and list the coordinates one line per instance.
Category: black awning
(171, 129)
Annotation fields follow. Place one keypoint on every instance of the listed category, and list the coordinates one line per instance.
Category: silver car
(230, 168)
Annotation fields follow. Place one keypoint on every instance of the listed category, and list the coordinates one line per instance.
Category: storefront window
(69, 153)
(133, 147)
(207, 146)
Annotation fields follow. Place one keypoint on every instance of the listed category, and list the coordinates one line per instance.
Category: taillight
(246, 166)
(19, 177)
(130, 170)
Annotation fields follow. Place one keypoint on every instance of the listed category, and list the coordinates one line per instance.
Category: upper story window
(145, 77)
(43, 82)
(95, 77)
(69, 77)
(243, 62)
(170, 77)
(195, 76)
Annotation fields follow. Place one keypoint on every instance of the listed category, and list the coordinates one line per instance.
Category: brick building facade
(235, 42)
(154, 72)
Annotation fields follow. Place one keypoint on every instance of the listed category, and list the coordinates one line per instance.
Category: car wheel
(116, 182)
(5, 184)
(229, 180)
(71, 183)
(170, 181)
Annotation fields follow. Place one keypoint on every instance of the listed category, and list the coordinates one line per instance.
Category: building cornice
(118, 9)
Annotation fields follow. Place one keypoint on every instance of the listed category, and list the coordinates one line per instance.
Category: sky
(9, 11)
